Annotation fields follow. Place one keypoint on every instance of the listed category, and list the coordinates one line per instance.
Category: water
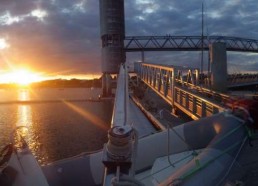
(57, 128)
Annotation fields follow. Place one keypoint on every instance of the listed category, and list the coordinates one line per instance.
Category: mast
(202, 43)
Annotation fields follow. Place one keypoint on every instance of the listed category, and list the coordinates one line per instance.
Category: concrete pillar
(218, 55)
(112, 33)
(106, 85)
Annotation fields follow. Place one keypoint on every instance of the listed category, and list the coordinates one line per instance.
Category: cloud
(230, 18)
(39, 14)
(44, 35)
(63, 36)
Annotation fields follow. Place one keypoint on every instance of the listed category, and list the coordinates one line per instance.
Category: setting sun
(21, 77)
(3, 44)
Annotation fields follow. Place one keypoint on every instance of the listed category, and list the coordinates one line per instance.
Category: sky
(61, 38)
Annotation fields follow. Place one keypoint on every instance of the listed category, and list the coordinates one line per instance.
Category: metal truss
(238, 80)
(187, 43)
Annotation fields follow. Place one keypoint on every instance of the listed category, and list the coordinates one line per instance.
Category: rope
(189, 147)
(250, 133)
(178, 135)
(168, 147)
(196, 169)
(178, 161)
(6, 153)
(233, 162)
(194, 154)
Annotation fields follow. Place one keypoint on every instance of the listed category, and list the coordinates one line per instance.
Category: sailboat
(195, 153)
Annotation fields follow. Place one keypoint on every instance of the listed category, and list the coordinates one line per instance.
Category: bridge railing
(159, 78)
(235, 79)
(194, 105)
(181, 90)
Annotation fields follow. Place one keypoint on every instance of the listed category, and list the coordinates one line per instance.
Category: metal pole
(143, 58)
(202, 44)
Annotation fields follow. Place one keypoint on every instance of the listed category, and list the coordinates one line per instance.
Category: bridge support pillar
(106, 85)
(218, 55)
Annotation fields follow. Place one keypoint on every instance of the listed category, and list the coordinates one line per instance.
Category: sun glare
(21, 77)
(40, 14)
(3, 44)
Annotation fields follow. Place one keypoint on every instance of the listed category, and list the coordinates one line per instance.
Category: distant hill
(60, 83)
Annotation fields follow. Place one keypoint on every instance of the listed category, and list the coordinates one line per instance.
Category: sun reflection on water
(24, 118)
(24, 111)
(23, 95)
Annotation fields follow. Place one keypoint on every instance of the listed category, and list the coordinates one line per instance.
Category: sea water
(61, 122)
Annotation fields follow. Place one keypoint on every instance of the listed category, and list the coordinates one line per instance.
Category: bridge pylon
(218, 56)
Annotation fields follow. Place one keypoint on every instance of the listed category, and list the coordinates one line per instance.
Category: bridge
(196, 43)
(241, 80)
(187, 43)
(182, 89)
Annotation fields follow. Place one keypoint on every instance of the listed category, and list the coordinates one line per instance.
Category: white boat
(195, 153)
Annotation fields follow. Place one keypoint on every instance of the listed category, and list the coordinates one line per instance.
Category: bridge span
(187, 43)
(242, 80)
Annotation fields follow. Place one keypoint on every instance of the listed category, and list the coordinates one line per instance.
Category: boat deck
(143, 126)
(245, 171)
(78, 170)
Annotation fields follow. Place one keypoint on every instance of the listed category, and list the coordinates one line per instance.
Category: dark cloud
(67, 38)
(226, 18)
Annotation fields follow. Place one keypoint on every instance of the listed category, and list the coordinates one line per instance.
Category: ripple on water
(58, 130)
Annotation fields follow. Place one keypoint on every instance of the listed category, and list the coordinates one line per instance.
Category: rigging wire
(233, 162)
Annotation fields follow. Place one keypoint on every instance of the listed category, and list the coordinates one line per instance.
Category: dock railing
(183, 89)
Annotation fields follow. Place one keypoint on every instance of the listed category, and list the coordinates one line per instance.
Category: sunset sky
(60, 38)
